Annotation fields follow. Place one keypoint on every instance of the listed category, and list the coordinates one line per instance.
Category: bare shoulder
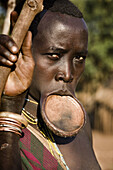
(78, 152)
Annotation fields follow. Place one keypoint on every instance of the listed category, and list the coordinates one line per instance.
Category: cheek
(40, 66)
(79, 69)
(82, 69)
(43, 71)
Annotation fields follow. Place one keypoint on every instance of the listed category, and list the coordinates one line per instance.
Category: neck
(31, 107)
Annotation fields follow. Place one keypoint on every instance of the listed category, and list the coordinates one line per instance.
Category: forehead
(51, 19)
(57, 28)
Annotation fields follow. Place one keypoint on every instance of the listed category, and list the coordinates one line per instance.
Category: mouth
(62, 92)
(63, 113)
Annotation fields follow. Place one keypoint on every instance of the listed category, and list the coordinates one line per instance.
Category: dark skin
(58, 63)
(59, 52)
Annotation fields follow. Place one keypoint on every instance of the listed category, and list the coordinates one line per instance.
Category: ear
(13, 19)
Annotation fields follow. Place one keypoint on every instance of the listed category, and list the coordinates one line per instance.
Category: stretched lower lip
(63, 114)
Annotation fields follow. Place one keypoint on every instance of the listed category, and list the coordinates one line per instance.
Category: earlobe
(13, 19)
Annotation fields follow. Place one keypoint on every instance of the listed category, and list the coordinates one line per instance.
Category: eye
(79, 59)
(53, 56)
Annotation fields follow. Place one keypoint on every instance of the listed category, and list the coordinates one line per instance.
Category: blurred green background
(95, 89)
(99, 18)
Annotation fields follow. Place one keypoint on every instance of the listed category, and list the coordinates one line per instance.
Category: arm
(15, 91)
(18, 81)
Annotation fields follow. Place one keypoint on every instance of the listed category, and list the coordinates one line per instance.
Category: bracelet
(9, 128)
(12, 122)
(5, 129)
(14, 116)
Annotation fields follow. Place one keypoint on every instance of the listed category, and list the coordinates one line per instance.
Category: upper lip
(63, 92)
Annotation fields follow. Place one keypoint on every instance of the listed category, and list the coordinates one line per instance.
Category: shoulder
(80, 150)
(84, 148)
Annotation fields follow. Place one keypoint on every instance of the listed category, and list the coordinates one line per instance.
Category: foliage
(99, 18)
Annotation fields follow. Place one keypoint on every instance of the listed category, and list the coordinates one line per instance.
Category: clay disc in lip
(63, 115)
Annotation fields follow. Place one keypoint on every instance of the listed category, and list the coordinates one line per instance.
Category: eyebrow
(85, 52)
(62, 50)
(56, 50)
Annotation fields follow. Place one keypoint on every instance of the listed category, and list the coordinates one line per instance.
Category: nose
(64, 73)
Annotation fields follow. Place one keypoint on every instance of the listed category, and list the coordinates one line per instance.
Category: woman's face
(59, 50)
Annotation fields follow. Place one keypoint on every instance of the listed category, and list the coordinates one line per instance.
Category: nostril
(68, 79)
(62, 77)
(59, 76)
(71, 79)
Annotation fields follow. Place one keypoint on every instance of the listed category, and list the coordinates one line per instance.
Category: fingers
(8, 50)
(6, 58)
(26, 52)
(8, 43)
(26, 47)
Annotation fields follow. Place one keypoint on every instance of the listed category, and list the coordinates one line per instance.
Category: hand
(20, 78)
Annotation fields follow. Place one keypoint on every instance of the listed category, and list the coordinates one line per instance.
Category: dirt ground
(103, 147)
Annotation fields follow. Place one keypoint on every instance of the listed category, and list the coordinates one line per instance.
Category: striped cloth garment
(34, 154)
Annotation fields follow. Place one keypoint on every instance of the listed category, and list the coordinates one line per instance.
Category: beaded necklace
(46, 133)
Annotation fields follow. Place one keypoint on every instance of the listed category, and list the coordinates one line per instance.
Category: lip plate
(54, 128)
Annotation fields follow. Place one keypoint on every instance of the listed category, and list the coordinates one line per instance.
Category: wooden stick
(9, 149)
(29, 10)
